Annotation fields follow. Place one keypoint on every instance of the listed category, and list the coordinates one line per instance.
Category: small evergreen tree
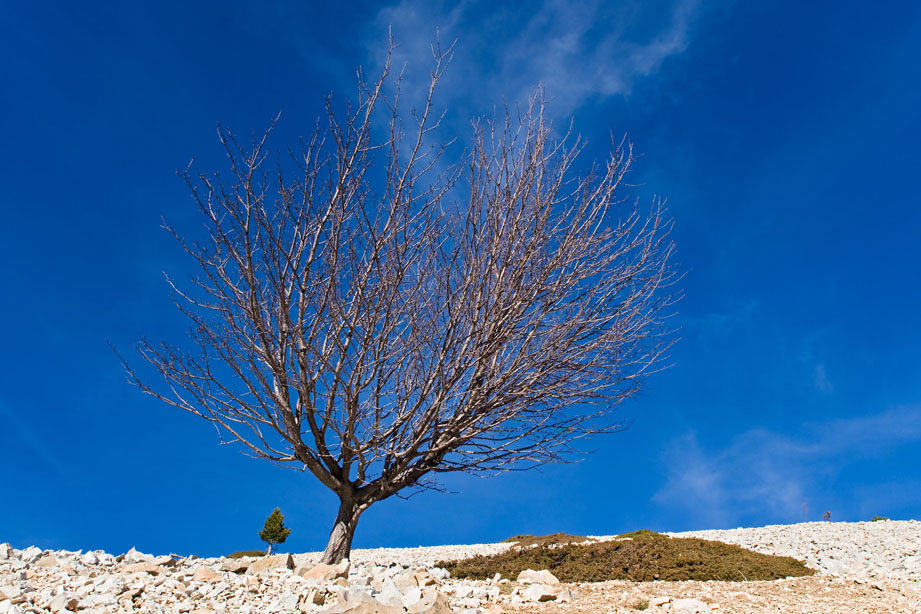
(274, 531)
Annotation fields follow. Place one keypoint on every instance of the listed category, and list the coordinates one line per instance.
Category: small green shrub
(274, 531)
(641, 605)
(242, 553)
(878, 518)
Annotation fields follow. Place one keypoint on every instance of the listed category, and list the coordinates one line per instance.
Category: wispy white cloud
(578, 51)
(768, 473)
(821, 379)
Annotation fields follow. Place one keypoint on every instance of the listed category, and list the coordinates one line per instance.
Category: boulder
(131, 594)
(432, 602)
(267, 563)
(165, 561)
(529, 576)
(565, 596)
(288, 601)
(316, 596)
(439, 573)
(424, 578)
(47, 561)
(689, 606)
(540, 592)
(206, 574)
(6, 552)
(237, 566)
(150, 568)
(325, 573)
(62, 602)
(359, 602)
(30, 554)
(411, 597)
(405, 581)
(390, 594)
(90, 558)
(133, 556)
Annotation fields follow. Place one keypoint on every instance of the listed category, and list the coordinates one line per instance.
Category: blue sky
(785, 136)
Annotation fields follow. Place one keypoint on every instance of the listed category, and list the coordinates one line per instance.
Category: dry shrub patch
(644, 557)
(526, 541)
(243, 553)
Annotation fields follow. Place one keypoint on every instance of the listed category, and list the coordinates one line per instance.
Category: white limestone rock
(689, 606)
(389, 594)
(325, 573)
(268, 563)
(133, 556)
(206, 574)
(63, 602)
(432, 602)
(237, 566)
(530, 576)
(359, 602)
(90, 558)
(540, 592)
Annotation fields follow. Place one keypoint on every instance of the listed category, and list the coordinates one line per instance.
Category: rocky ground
(862, 567)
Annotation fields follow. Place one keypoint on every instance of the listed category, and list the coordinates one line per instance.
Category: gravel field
(863, 567)
(852, 549)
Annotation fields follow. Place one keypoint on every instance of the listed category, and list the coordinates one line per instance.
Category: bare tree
(379, 316)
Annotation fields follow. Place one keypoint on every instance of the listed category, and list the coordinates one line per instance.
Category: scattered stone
(236, 566)
(90, 558)
(150, 568)
(206, 574)
(63, 602)
(325, 573)
(165, 561)
(405, 581)
(390, 594)
(565, 596)
(690, 606)
(540, 592)
(432, 602)
(359, 602)
(133, 556)
(268, 563)
(30, 554)
(529, 576)
(47, 561)
(316, 596)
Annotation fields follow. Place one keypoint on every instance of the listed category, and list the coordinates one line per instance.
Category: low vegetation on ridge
(641, 556)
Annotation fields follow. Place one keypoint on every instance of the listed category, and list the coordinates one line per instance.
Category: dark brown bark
(340, 538)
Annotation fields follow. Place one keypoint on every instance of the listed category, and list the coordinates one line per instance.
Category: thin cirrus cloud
(577, 52)
(768, 474)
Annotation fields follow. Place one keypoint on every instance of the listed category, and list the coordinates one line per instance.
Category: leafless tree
(378, 315)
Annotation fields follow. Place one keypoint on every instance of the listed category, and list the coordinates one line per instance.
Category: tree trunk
(269, 552)
(340, 538)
